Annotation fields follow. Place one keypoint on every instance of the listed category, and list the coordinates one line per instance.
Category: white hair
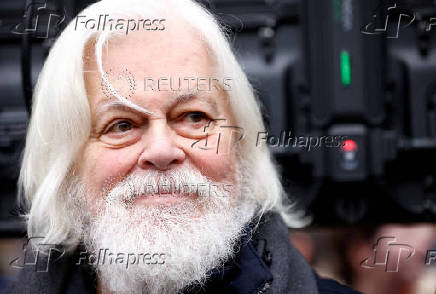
(60, 120)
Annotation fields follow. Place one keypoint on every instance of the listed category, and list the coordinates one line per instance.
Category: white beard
(195, 235)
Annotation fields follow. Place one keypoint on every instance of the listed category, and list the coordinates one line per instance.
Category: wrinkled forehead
(177, 53)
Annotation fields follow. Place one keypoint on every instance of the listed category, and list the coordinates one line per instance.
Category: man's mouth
(162, 198)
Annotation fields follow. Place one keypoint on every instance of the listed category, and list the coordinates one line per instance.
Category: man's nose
(160, 148)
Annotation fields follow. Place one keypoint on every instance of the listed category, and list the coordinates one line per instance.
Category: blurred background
(363, 69)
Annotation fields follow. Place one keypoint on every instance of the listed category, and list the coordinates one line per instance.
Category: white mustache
(180, 181)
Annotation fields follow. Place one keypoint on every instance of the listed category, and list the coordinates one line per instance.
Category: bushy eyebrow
(191, 95)
(182, 98)
(104, 106)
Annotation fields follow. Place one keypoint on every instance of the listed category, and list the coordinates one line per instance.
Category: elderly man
(141, 163)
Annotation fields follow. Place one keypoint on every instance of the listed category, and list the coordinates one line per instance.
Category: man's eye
(120, 127)
(196, 116)
(121, 133)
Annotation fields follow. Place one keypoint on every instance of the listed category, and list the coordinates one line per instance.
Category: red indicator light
(349, 146)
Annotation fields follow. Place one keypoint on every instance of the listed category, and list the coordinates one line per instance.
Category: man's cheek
(217, 166)
(112, 163)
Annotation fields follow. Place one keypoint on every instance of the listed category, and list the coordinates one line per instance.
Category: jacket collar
(291, 272)
(245, 273)
(266, 262)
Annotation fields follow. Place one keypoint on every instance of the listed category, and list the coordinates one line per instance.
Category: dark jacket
(265, 263)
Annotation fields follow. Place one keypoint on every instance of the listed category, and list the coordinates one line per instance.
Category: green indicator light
(345, 68)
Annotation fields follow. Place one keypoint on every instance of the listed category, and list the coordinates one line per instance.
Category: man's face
(160, 140)
(169, 136)
(124, 141)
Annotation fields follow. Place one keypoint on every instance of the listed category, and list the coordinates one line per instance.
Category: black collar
(245, 273)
